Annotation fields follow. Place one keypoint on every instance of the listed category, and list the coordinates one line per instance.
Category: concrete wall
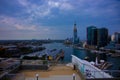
(89, 70)
(34, 67)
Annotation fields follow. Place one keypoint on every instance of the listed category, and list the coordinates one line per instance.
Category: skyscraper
(117, 37)
(91, 35)
(75, 39)
(97, 36)
(102, 37)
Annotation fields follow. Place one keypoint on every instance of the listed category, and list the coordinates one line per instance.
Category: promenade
(58, 72)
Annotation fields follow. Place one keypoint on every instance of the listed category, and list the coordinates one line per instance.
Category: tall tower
(75, 34)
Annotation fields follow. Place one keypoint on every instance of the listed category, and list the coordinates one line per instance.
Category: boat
(81, 48)
(115, 55)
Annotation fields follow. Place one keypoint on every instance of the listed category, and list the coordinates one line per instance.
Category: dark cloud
(56, 17)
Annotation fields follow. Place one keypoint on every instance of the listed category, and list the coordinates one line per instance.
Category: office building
(92, 35)
(117, 37)
(102, 37)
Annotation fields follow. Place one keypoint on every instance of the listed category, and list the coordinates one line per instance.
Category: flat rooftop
(8, 62)
(59, 72)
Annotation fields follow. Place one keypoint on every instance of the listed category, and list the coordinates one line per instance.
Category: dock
(104, 65)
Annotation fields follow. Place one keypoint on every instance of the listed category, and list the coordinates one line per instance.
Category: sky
(54, 19)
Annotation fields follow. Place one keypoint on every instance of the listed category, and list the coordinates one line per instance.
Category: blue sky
(54, 19)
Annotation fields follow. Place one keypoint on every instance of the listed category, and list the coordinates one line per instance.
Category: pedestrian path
(58, 77)
(58, 72)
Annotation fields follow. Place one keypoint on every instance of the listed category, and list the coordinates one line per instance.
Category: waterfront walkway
(58, 72)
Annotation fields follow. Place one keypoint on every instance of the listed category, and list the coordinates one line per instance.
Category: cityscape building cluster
(97, 36)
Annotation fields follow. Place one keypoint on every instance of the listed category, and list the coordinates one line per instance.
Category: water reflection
(81, 54)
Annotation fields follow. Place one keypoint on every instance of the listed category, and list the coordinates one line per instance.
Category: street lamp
(37, 75)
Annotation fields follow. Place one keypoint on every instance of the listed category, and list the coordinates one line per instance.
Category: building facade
(97, 36)
(92, 35)
(75, 37)
(117, 37)
(102, 37)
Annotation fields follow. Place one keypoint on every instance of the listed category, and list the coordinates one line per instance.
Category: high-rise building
(91, 35)
(113, 38)
(102, 37)
(117, 37)
(97, 36)
(75, 39)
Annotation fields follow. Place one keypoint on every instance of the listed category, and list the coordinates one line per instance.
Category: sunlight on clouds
(66, 6)
(23, 2)
(48, 17)
(80, 7)
(16, 23)
(46, 29)
(39, 11)
(6, 20)
(35, 10)
(60, 4)
(21, 27)
(53, 4)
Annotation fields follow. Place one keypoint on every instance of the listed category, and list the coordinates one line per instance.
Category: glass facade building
(92, 35)
(102, 37)
(97, 36)
(117, 37)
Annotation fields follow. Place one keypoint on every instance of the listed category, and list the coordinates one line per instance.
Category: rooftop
(59, 72)
(8, 62)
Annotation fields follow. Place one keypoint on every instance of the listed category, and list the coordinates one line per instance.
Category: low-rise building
(7, 66)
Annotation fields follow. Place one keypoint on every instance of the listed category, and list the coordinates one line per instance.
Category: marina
(113, 62)
(86, 64)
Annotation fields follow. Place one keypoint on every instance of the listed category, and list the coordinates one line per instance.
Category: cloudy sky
(54, 19)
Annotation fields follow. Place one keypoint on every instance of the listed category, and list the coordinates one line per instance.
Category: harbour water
(80, 54)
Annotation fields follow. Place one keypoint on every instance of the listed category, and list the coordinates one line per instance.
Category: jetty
(104, 65)
(60, 56)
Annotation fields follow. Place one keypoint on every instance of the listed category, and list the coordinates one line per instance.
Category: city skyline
(54, 19)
